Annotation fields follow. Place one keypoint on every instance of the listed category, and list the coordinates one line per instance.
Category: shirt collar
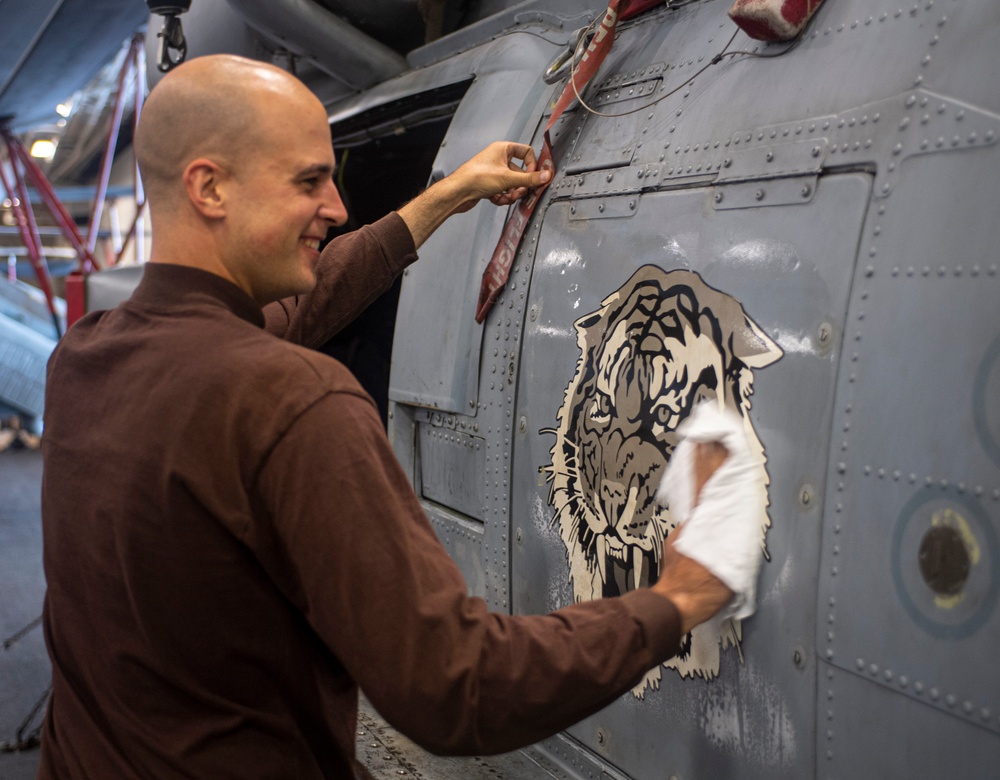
(168, 286)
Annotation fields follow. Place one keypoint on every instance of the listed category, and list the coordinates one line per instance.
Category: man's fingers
(523, 152)
(708, 456)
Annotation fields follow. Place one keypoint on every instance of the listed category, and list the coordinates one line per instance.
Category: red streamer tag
(498, 270)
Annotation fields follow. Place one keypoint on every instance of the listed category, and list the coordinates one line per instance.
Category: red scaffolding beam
(24, 169)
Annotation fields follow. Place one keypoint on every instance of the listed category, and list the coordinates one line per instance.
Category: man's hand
(493, 173)
(693, 589)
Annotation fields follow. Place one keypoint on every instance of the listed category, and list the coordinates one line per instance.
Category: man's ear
(204, 182)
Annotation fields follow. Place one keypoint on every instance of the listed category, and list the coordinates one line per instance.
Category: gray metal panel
(107, 289)
(905, 98)
(24, 354)
(452, 464)
(918, 422)
(868, 732)
(790, 266)
(27, 305)
(438, 348)
(435, 355)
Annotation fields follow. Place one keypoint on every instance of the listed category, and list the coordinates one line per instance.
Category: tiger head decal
(655, 348)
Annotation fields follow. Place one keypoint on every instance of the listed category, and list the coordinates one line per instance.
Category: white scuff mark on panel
(751, 721)
(563, 258)
(556, 333)
(556, 581)
(764, 255)
(794, 343)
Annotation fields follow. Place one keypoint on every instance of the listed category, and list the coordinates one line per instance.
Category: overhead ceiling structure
(51, 48)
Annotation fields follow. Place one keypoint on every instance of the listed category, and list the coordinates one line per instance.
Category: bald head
(217, 107)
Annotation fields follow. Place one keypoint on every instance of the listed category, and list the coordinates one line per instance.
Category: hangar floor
(24, 665)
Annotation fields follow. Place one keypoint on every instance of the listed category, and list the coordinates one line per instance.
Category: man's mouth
(312, 243)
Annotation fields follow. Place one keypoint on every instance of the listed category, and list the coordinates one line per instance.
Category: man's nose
(333, 209)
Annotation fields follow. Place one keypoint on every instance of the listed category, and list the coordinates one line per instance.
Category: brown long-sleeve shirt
(231, 549)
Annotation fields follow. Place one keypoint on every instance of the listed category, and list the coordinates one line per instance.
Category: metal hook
(171, 37)
(569, 58)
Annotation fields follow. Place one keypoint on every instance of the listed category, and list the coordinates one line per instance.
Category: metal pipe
(97, 207)
(310, 31)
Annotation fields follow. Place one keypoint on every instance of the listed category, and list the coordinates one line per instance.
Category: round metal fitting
(799, 658)
(944, 560)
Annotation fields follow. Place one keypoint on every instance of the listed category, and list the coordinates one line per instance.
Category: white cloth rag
(722, 533)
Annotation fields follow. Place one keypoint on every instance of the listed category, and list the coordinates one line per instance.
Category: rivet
(759, 195)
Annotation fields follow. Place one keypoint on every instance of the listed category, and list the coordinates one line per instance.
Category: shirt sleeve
(359, 558)
(353, 270)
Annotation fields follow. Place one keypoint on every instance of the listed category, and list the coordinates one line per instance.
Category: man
(231, 548)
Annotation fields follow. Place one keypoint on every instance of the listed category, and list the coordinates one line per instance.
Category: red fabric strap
(498, 269)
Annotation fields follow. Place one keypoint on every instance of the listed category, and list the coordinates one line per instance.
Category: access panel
(640, 306)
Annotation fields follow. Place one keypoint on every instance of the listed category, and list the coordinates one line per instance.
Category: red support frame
(25, 218)
(24, 168)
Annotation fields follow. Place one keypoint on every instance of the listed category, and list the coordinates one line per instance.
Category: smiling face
(282, 200)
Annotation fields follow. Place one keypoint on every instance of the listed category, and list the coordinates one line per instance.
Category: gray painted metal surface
(841, 197)
(24, 353)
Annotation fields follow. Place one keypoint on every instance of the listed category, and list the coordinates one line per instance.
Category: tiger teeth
(638, 563)
(602, 557)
